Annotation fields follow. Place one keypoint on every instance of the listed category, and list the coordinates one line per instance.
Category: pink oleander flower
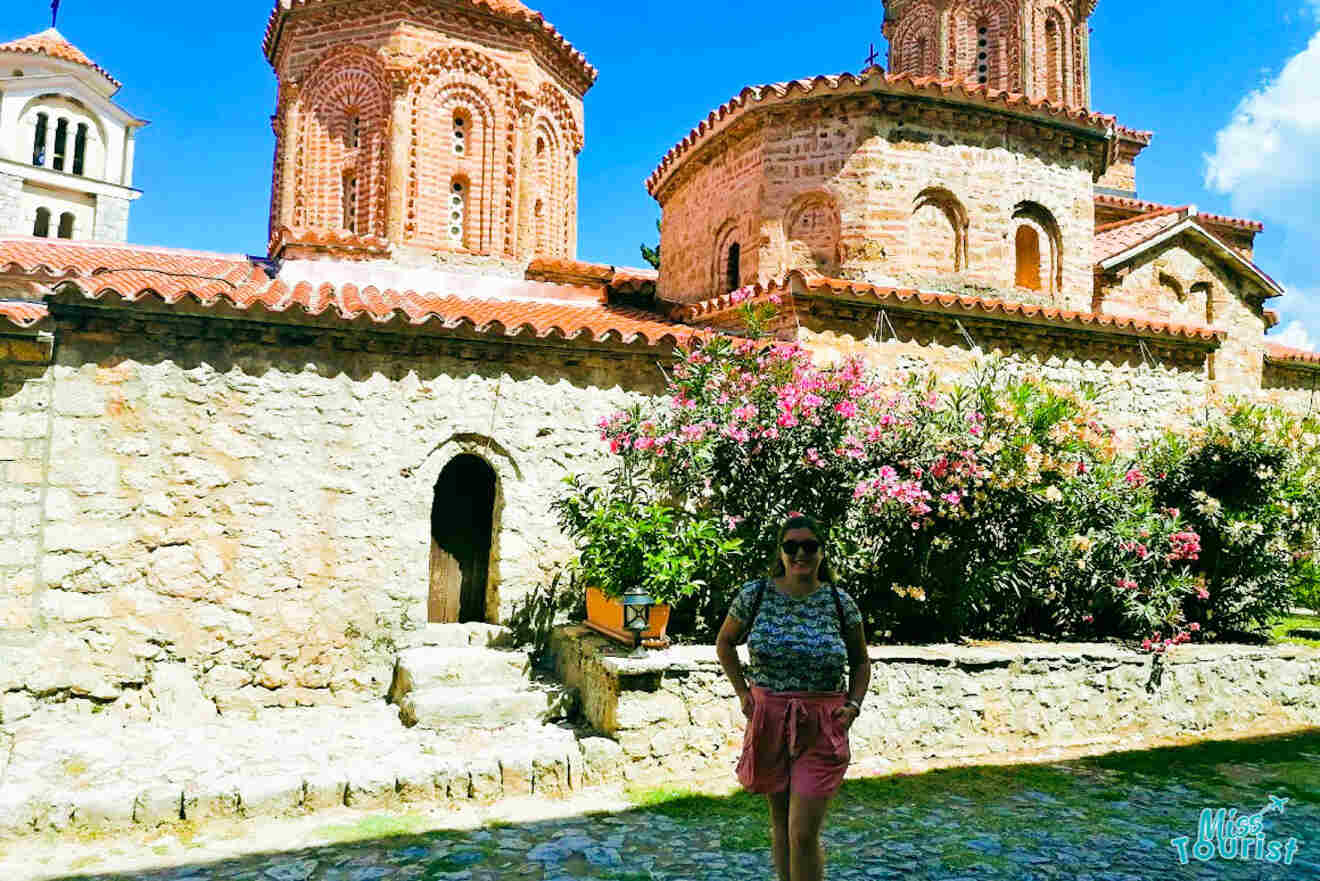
(1134, 477)
(776, 299)
(846, 409)
(953, 498)
(1145, 643)
(1194, 626)
(1184, 546)
(1203, 593)
(1127, 584)
(1088, 618)
(644, 443)
(746, 413)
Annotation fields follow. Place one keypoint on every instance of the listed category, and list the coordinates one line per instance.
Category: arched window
(457, 212)
(61, 142)
(733, 268)
(1028, 258)
(39, 142)
(461, 128)
(1205, 289)
(982, 52)
(354, 138)
(66, 225)
(1042, 231)
(1053, 70)
(80, 149)
(42, 227)
(350, 202)
(937, 233)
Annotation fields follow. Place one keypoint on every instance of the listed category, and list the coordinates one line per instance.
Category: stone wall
(25, 397)
(255, 501)
(1296, 387)
(912, 190)
(111, 219)
(11, 206)
(676, 711)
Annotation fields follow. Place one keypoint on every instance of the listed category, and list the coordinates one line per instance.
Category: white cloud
(1295, 335)
(1264, 158)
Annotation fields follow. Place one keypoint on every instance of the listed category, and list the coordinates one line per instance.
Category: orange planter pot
(605, 616)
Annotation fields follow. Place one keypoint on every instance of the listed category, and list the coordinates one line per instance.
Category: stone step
(470, 634)
(483, 706)
(427, 667)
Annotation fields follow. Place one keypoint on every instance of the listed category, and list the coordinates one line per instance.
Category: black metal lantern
(637, 614)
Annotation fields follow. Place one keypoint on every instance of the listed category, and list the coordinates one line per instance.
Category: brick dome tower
(448, 127)
(1039, 48)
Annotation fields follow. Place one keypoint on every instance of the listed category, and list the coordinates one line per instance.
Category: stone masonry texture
(260, 509)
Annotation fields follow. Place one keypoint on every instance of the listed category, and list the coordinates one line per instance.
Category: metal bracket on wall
(881, 322)
(971, 344)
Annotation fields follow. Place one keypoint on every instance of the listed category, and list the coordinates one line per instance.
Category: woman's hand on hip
(747, 703)
(845, 715)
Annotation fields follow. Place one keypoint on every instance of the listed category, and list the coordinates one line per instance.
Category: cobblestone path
(1108, 818)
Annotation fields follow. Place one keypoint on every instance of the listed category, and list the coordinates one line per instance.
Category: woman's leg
(779, 832)
(806, 816)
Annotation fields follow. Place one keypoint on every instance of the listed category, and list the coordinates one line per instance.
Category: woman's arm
(726, 649)
(859, 664)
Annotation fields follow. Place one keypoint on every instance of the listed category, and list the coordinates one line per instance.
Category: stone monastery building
(273, 470)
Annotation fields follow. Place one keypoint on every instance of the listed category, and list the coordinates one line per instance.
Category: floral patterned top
(795, 643)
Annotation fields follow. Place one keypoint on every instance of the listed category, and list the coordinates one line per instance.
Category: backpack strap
(756, 605)
(838, 610)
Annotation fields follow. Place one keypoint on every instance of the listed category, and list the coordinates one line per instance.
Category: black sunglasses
(810, 546)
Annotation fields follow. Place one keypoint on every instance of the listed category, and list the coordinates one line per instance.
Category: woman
(802, 631)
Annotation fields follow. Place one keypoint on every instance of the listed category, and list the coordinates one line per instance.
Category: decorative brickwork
(428, 126)
(981, 41)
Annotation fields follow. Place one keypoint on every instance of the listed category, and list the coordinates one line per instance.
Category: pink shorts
(794, 743)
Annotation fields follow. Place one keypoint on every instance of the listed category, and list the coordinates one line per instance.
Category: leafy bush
(993, 508)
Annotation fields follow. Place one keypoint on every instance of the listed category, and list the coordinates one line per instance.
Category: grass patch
(378, 826)
(743, 816)
(1279, 632)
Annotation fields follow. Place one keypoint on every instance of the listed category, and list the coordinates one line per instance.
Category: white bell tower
(66, 148)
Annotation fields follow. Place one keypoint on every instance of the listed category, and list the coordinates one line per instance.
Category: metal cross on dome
(870, 59)
(54, 11)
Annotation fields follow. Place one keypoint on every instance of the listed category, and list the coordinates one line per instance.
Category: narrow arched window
(61, 142)
(1206, 290)
(457, 212)
(460, 134)
(350, 203)
(982, 53)
(539, 213)
(42, 227)
(66, 225)
(80, 149)
(1028, 258)
(39, 142)
(733, 268)
(354, 130)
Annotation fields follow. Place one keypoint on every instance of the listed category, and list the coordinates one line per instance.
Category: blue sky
(1231, 90)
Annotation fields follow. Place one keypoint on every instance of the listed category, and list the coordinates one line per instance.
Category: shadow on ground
(1105, 818)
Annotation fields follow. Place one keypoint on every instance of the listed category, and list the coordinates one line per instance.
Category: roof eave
(1190, 225)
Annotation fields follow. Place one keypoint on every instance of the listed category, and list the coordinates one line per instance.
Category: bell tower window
(66, 225)
(733, 267)
(982, 54)
(460, 134)
(350, 202)
(457, 212)
(354, 131)
(41, 228)
(80, 149)
(39, 142)
(61, 142)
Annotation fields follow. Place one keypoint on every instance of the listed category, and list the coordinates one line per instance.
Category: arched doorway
(462, 515)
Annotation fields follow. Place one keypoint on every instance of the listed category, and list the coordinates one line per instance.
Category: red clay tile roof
(1115, 238)
(875, 79)
(704, 311)
(51, 43)
(1132, 134)
(505, 8)
(21, 313)
(1142, 207)
(557, 269)
(1288, 353)
(503, 307)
